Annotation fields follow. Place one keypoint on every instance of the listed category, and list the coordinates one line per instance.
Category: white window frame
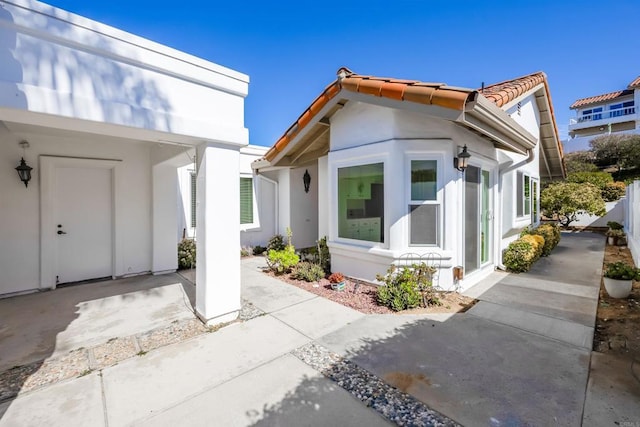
(256, 222)
(439, 159)
(520, 198)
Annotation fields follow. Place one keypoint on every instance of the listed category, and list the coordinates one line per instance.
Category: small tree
(623, 151)
(565, 200)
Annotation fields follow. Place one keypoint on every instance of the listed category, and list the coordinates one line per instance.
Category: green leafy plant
(621, 271)
(187, 254)
(308, 272)
(613, 191)
(259, 250)
(324, 257)
(615, 225)
(276, 243)
(519, 256)
(614, 232)
(537, 245)
(400, 290)
(565, 200)
(597, 178)
(551, 235)
(282, 261)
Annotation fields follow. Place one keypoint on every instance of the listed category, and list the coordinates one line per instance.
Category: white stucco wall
(64, 65)
(20, 207)
(304, 217)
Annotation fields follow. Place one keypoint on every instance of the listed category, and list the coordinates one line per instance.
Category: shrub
(537, 244)
(599, 179)
(613, 191)
(551, 235)
(245, 252)
(282, 261)
(565, 200)
(308, 272)
(186, 254)
(276, 243)
(615, 225)
(259, 250)
(519, 256)
(324, 257)
(400, 290)
(621, 271)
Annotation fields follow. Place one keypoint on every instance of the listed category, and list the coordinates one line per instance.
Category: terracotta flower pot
(617, 288)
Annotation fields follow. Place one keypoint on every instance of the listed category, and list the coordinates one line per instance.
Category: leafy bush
(551, 235)
(308, 272)
(565, 200)
(324, 257)
(614, 225)
(276, 243)
(613, 191)
(599, 179)
(519, 256)
(187, 254)
(282, 261)
(621, 271)
(245, 252)
(259, 250)
(400, 290)
(537, 244)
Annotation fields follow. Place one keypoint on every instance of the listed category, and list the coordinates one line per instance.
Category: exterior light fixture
(24, 170)
(461, 162)
(306, 179)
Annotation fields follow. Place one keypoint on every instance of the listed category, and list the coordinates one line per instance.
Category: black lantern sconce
(306, 179)
(24, 170)
(462, 161)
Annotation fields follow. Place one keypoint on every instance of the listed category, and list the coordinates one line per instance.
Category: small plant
(621, 271)
(551, 234)
(276, 243)
(324, 257)
(282, 261)
(519, 256)
(308, 272)
(614, 225)
(400, 291)
(187, 254)
(613, 191)
(614, 232)
(336, 277)
(244, 252)
(259, 250)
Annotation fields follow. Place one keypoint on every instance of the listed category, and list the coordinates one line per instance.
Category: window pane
(519, 195)
(246, 200)
(423, 224)
(527, 196)
(423, 179)
(361, 202)
(193, 199)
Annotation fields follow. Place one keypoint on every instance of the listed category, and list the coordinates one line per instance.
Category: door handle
(62, 232)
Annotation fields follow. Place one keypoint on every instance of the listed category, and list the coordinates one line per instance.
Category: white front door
(83, 223)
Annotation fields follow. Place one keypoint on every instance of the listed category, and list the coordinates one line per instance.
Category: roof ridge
(526, 76)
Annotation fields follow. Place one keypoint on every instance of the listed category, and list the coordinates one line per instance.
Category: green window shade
(520, 194)
(246, 200)
(193, 199)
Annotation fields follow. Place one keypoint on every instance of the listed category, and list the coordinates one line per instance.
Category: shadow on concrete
(49, 325)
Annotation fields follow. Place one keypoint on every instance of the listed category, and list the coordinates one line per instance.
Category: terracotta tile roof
(504, 92)
(401, 90)
(635, 83)
(600, 98)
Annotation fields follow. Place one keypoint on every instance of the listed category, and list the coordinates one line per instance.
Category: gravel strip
(397, 407)
(82, 361)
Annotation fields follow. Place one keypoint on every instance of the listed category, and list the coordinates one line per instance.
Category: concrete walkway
(519, 357)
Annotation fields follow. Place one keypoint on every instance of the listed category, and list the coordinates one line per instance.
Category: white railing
(603, 115)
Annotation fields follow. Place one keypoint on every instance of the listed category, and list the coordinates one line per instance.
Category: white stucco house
(108, 118)
(380, 155)
(258, 200)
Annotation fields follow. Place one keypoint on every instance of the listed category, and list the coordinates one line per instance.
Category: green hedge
(551, 234)
(533, 243)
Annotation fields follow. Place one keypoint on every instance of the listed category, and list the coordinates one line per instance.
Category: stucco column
(218, 233)
(165, 218)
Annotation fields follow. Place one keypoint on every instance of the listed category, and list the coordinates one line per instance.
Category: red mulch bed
(364, 298)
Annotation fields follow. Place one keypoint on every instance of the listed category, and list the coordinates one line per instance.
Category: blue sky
(291, 49)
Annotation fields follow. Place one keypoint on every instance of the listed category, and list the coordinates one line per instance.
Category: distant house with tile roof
(379, 157)
(608, 113)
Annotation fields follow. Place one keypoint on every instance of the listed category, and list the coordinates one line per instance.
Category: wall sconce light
(462, 161)
(306, 179)
(24, 170)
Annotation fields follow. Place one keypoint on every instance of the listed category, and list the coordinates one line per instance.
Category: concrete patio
(520, 356)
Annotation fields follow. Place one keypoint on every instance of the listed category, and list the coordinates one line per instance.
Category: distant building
(609, 113)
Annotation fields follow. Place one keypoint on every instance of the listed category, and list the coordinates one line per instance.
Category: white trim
(48, 251)
(255, 225)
